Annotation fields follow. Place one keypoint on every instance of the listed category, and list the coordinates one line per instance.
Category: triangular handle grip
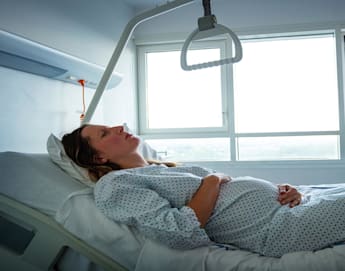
(223, 29)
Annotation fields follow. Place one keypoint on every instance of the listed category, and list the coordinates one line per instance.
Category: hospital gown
(247, 213)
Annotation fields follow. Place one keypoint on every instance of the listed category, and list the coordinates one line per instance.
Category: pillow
(33, 179)
(58, 155)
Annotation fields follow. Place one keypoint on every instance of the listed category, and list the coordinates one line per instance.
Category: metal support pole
(131, 25)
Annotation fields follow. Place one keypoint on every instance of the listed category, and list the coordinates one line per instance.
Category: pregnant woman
(188, 206)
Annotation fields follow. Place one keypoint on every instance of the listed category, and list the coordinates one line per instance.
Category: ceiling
(140, 5)
(144, 4)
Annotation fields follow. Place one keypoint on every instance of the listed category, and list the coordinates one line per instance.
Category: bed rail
(49, 240)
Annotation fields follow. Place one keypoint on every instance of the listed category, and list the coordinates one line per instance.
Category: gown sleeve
(138, 206)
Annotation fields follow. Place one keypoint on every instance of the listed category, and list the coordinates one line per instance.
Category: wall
(32, 107)
(120, 105)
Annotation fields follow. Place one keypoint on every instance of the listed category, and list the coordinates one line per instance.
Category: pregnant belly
(245, 206)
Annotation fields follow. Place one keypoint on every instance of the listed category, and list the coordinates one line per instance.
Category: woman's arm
(121, 198)
(204, 200)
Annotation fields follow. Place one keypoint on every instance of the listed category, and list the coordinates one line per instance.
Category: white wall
(34, 106)
(120, 104)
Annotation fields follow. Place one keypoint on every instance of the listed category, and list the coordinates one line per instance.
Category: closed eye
(103, 133)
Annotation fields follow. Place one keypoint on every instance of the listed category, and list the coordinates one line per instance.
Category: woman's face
(113, 144)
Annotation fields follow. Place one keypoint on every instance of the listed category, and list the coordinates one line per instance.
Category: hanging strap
(208, 27)
(207, 7)
(222, 29)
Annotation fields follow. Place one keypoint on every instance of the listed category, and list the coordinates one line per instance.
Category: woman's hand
(289, 195)
(205, 198)
(219, 178)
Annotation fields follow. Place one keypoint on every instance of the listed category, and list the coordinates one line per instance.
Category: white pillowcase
(57, 153)
(33, 179)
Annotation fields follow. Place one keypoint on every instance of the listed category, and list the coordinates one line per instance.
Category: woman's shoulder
(132, 173)
(142, 173)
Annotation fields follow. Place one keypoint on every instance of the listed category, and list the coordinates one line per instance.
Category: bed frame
(32, 241)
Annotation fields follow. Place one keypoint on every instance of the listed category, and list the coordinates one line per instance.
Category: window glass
(288, 148)
(192, 149)
(287, 85)
(183, 99)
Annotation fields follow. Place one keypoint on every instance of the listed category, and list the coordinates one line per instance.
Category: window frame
(339, 34)
(170, 133)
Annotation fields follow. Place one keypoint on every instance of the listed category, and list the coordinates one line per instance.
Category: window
(185, 110)
(279, 103)
(175, 101)
(286, 89)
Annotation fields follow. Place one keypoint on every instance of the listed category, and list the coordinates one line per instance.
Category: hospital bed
(48, 221)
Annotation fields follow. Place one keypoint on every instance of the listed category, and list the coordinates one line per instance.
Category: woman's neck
(133, 162)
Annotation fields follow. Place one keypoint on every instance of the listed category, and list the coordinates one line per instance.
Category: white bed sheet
(135, 252)
(80, 216)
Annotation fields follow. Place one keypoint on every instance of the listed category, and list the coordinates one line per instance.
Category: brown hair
(80, 151)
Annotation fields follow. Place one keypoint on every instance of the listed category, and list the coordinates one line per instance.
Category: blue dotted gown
(247, 214)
